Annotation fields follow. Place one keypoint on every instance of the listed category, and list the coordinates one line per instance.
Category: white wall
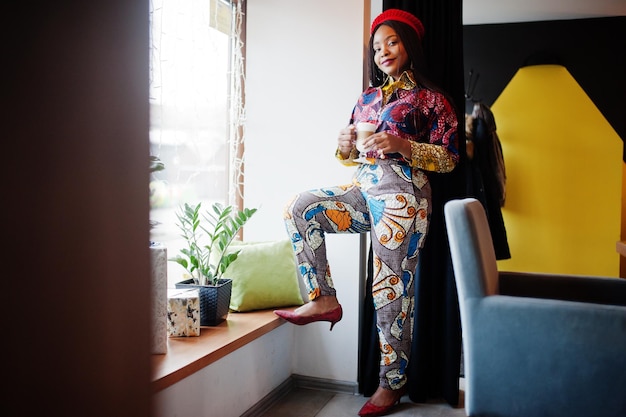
(304, 68)
(233, 384)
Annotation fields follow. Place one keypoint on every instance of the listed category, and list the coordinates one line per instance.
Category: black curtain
(435, 362)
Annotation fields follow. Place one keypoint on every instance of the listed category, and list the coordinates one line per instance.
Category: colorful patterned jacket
(420, 115)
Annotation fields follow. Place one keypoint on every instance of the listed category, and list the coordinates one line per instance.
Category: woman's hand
(346, 140)
(384, 143)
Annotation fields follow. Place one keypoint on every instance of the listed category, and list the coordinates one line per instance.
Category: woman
(390, 197)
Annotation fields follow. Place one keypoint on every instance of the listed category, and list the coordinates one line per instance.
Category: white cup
(363, 131)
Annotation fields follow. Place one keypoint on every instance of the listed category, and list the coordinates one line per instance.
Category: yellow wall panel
(622, 264)
(564, 176)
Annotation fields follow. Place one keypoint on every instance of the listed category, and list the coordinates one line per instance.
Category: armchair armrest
(531, 357)
(600, 290)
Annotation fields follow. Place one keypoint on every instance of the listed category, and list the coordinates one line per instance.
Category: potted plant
(205, 257)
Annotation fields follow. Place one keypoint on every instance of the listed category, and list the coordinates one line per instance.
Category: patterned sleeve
(362, 110)
(440, 153)
(431, 157)
(349, 161)
(354, 153)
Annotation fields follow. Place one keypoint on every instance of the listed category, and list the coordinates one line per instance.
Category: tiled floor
(314, 403)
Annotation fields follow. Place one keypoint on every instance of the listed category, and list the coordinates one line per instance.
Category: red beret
(399, 16)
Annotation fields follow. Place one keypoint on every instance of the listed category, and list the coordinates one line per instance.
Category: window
(196, 112)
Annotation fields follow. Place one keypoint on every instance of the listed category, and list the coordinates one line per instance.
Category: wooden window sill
(186, 355)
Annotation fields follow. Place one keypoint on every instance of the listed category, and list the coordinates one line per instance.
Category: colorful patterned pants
(392, 202)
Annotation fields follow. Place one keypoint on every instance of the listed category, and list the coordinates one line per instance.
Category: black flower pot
(214, 300)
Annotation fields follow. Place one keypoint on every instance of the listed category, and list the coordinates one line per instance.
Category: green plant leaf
(227, 260)
(181, 261)
(156, 164)
(207, 244)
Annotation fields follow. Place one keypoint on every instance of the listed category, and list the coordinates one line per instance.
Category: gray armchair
(535, 345)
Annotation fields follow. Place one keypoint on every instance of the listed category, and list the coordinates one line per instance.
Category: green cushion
(264, 276)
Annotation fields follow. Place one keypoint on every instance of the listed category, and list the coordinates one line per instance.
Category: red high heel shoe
(371, 410)
(333, 316)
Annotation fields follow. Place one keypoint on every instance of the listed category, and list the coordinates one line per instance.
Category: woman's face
(389, 53)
